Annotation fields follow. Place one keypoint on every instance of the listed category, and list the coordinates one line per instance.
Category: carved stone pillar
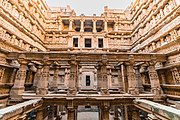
(104, 111)
(73, 76)
(39, 114)
(126, 112)
(18, 88)
(125, 86)
(99, 77)
(60, 24)
(51, 113)
(139, 87)
(70, 25)
(105, 26)
(55, 78)
(72, 111)
(161, 13)
(154, 80)
(104, 84)
(120, 82)
(94, 26)
(131, 78)
(43, 84)
(116, 26)
(135, 114)
(82, 26)
(66, 78)
(37, 76)
(13, 75)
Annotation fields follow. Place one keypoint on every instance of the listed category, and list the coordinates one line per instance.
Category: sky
(90, 7)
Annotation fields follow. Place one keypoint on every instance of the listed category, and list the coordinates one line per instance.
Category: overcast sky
(90, 7)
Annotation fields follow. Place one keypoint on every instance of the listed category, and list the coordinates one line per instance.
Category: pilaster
(37, 76)
(94, 26)
(70, 24)
(105, 25)
(73, 76)
(139, 87)
(82, 25)
(55, 78)
(104, 84)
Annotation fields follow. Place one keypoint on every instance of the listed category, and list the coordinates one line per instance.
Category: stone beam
(161, 111)
(20, 109)
(88, 57)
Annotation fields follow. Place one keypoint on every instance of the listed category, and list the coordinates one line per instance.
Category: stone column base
(16, 93)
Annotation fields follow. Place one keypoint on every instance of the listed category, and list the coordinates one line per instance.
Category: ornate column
(72, 111)
(105, 25)
(37, 76)
(73, 76)
(18, 88)
(80, 77)
(82, 25)
(116, 26)
(66, 78)
(43, 83)
(60, 24)
(51, 113)
(70, 24)
(94, 26)
(120, 82)
(124, 80)
(154, 80)
(131, 78)
(104, 111)
(13, 75)
(55, 78)
(39, 114)
(139, 87)
(104, 84)
(126, 112)
(135, 114)
(99, 77)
